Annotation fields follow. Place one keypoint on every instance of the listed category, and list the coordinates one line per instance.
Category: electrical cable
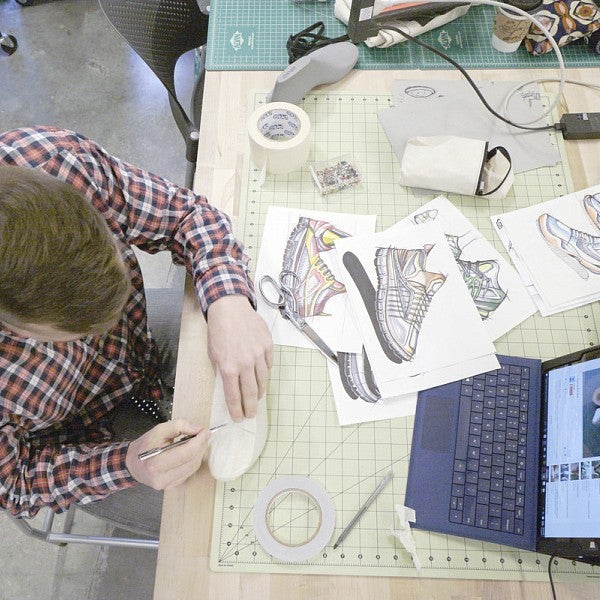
(550, 576)
(469, 80)
(512, 92)
(307, 41)
(533, 20)
(312, 38)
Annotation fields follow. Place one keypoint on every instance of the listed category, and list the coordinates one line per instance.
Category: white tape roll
(279, 137)
(266, 502)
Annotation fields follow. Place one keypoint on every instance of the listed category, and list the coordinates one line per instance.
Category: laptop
(512, 456)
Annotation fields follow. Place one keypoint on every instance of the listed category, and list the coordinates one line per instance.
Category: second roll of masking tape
(279, 137)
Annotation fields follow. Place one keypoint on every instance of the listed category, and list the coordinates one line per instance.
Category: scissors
(287, 305)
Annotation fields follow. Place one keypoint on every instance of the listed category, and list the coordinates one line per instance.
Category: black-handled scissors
(281, 296)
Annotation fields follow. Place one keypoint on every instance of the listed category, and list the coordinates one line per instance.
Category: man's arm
(162, 216)
(240, 344)
(32, 477)
(58, 476)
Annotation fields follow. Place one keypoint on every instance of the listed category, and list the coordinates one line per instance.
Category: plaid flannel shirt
(55, 447)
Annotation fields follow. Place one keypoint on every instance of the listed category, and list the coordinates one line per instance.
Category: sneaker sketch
(404, 293)
(571, 243)
(317, 284)
(481, 277)
(592, 208)
(426, 216)
(357, 377)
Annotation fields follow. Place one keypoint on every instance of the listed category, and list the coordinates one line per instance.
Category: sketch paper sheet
(403, 290)
(352, 409)
(452, 108)
(500, 296)
(556, 246)
(302, 241)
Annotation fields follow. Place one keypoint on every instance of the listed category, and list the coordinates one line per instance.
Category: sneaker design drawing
(357, 376)
(571, 245)
(591, 203)
(426, 216)
(404, 293)
(316, 283)
(481, 277)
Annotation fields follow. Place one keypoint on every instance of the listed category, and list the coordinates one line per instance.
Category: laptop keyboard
(488, 487)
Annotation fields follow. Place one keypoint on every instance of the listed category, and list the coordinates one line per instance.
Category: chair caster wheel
(24, 2)
(8, 44)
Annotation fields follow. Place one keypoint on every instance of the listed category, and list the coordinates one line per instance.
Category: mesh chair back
(160, 31)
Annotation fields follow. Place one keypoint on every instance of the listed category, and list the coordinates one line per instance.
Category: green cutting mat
(251, 35)
(304, 435)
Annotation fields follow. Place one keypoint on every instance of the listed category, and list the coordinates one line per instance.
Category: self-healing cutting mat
(305, 438)
(246, 35)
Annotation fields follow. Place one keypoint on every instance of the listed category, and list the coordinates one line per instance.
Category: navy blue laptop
(512, 456)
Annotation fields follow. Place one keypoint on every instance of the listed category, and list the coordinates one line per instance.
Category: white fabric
(455, 164)
(387, 38)
(443, 162)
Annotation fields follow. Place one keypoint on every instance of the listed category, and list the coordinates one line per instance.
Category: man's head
(60, 270)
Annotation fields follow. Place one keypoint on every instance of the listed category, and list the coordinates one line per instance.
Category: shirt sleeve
(57, 476)
(148, 211)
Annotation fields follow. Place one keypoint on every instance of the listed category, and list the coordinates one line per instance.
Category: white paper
(501, 296)
(332, 324)
(563, 268)
(352, 410)
(448, 338)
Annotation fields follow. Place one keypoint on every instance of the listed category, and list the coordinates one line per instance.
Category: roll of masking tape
(279, 137)
(313, 537)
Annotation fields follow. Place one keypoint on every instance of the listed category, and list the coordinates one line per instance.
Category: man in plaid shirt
(74, 338)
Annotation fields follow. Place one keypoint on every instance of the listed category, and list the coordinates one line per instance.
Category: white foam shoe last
(233, 449)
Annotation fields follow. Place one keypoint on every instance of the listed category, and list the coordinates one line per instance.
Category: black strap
(491, 155)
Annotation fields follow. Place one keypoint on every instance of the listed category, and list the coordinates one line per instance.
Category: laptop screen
(572, 451)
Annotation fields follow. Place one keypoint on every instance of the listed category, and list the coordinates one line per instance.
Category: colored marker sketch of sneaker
(591, 203)
(404, 292)
(316, 283)
(426, 216)
(357, 376)
(481, 277)
(579, 250)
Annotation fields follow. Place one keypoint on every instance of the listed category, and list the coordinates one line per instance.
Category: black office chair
(160, 32)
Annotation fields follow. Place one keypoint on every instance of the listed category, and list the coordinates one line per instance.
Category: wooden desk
(183, 556)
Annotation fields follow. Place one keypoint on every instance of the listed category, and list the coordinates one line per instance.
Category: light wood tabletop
(183, 556)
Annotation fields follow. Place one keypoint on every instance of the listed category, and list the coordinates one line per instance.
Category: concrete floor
(73, 70)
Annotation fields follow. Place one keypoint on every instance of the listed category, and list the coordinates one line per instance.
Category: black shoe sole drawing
(369, 297)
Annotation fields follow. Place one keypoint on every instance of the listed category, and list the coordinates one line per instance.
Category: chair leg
(190, 171)
(46, 534)
(198, 91)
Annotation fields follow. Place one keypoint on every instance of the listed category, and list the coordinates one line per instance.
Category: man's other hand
(241, 348)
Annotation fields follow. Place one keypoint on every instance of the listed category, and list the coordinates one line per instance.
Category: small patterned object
(336, 177)
(566, 20)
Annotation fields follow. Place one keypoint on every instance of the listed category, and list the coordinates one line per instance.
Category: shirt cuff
(224, 280)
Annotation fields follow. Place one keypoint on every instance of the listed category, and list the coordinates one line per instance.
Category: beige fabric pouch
(456, 165)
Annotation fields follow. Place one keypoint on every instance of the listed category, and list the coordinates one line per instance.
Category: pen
(154, 451)
(363, 508)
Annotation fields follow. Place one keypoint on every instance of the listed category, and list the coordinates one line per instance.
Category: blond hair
(59, 264)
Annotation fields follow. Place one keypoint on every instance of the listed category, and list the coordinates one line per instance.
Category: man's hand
(172, 467)
(241, 348)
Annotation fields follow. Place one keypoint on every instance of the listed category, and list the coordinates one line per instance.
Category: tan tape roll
(279, 137)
